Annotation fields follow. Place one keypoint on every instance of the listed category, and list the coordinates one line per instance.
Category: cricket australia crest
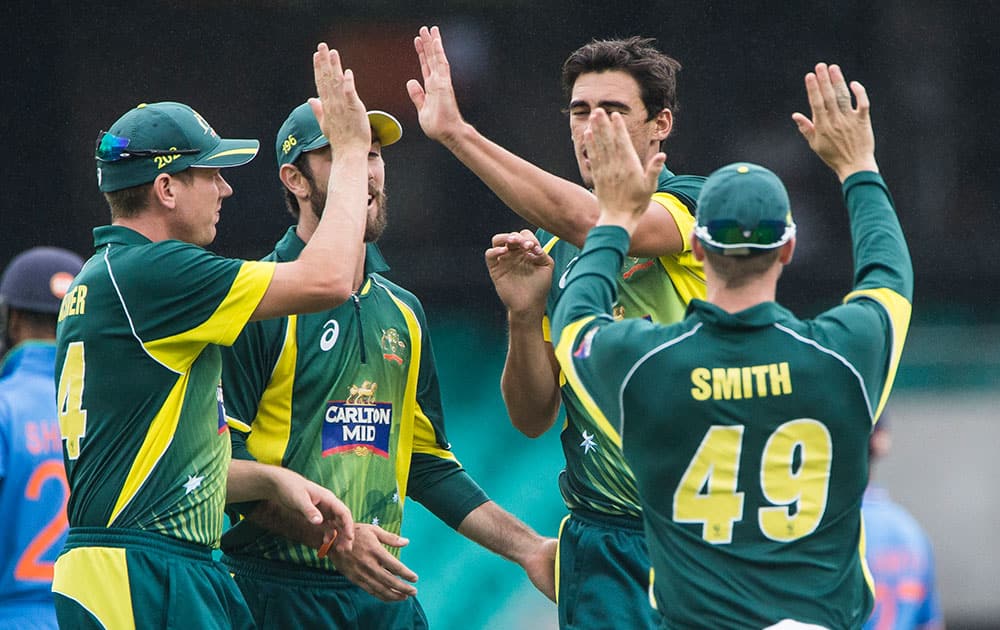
(392, 346)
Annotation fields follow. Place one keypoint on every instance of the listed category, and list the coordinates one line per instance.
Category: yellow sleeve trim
(564, 353)
(178, 352)
(272, 426)
(424, 438)
(899, 310)
(681, 215)
(686, 273)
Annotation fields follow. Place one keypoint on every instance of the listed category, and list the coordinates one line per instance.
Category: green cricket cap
(301, 133)
(743, 208)
(166, 137)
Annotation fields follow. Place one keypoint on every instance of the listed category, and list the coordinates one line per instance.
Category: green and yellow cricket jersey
(348, 398)
(596, 477)
(139, 372)
(748, 432)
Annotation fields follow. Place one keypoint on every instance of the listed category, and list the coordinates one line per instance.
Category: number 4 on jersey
(72, 415)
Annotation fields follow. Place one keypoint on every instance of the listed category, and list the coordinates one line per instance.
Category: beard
(375, 224)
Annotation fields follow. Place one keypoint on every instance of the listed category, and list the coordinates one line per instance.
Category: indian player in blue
(899, 556)
(33, 489)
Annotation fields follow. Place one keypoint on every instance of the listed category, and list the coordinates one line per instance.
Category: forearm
(530, 379)
(881, 257)
(591, 287)
(552, 203)
(249, 481)
(501, 532)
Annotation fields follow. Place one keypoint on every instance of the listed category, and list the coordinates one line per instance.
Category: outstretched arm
(555, 204)
(522, 274)
(492, 527)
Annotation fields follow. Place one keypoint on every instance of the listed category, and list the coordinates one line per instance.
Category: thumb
(416, 92)
(806, 127)
(653, 170)
(317, 109)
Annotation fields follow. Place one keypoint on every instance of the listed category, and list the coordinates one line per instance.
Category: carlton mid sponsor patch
(358, 425)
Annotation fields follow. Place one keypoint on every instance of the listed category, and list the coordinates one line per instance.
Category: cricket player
(603, 561)
(33, 490)
(899, 554)
(348, 397)
(138, 367)
(747, 428)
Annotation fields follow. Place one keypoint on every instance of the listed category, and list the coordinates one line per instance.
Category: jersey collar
(760, 315)
(120, 234)
(290, 246)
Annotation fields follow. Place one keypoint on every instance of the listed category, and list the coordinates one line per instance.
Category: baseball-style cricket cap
(37, 279)
(301, 133)
(743, 209)
(165, 137)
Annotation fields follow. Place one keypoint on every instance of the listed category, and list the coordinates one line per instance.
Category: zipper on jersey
(361, 331)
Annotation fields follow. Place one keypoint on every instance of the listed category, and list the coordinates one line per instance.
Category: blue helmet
(37, 279)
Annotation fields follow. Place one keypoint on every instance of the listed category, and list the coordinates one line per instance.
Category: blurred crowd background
(930, 68)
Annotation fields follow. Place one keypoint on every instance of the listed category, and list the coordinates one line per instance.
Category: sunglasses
(111, 148)
(728, 233)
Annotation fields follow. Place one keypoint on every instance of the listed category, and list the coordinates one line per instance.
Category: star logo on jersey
(375, 521)
(395, 497)
(392, 346)
(193, 483)
(588, 444)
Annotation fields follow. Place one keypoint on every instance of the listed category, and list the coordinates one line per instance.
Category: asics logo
(331, 330)
(565, 273)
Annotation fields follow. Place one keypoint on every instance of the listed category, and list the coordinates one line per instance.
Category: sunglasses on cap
(112, 148)
(730, 234)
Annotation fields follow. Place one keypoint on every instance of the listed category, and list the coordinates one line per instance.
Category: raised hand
(437, 107)
(369, 565)
(839, 133)
(339, 110)
(521, 271)
(623, 185)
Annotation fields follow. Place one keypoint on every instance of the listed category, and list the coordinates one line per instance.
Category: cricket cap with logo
(743, 209)
(301, 133)
(37, 279)
(166, 137)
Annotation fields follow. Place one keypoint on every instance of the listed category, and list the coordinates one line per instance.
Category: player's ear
(697, 249)
(663, 124)
(787, 251)
(163, 190)
(294, 181)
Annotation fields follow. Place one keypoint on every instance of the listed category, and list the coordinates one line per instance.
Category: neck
(306, 227)
(733, 300)
(147, 225)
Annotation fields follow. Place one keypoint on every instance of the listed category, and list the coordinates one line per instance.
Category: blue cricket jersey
(902, 564)
(33, 489)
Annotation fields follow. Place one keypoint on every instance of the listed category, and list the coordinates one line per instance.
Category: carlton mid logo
(358, 425)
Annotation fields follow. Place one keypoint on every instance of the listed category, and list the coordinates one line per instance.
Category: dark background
(70, 70)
